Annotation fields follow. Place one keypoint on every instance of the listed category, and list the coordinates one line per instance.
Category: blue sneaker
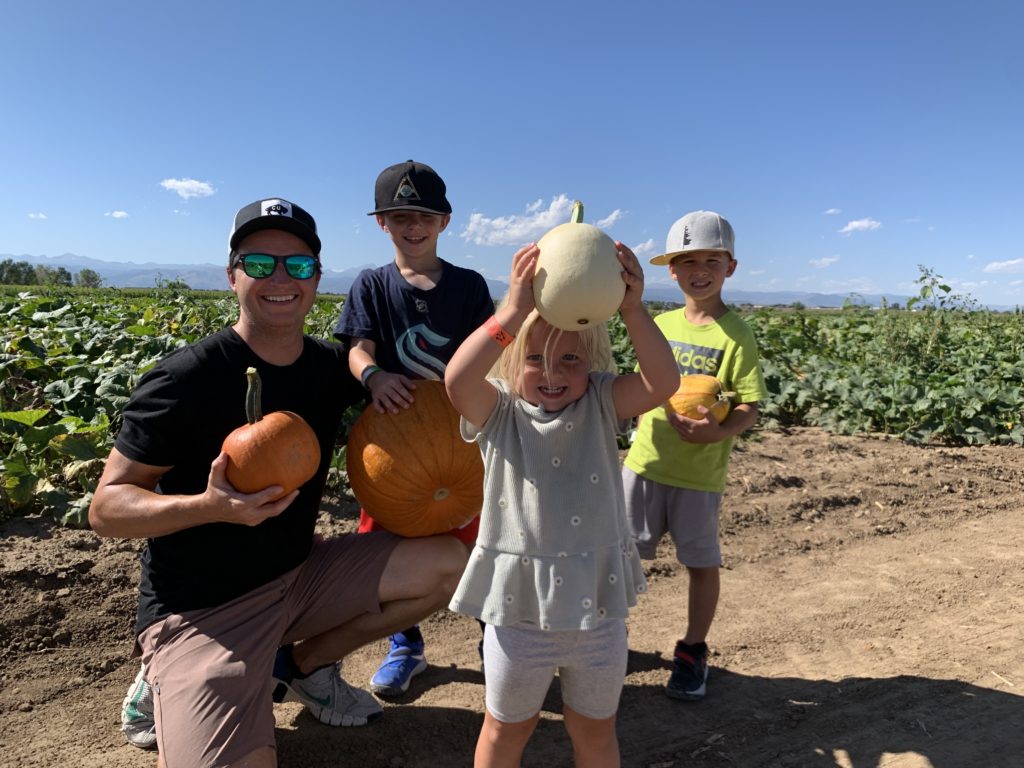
(404, 661)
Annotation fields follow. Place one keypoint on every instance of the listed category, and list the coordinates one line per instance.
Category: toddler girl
(554, 570)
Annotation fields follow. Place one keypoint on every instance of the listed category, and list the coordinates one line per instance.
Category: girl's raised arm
(465, 376)
(636, 393)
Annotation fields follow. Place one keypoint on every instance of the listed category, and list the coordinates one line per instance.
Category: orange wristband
(499, 334)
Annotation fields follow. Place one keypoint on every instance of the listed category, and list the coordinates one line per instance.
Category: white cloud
(860, 225)
(37, 215)
(645, 247)
(757, 271)
(517, 230)
(1014, 266)
(117, 214)
(970, 255)
(610, 219)
(826, 261)
(832, 211)
(178, 212)
(186, 188)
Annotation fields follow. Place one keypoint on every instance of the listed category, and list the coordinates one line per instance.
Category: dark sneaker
(328, 697)
(404, 661)
(137, 713)
(689, 672)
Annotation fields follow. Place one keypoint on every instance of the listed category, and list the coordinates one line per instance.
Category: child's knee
(589, 734)
(498, 733)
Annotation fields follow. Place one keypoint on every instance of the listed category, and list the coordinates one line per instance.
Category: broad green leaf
(28, 418)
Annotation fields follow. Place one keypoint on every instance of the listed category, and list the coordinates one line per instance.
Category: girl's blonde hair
(594, 342)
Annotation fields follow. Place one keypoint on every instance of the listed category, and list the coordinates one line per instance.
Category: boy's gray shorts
(691, 517)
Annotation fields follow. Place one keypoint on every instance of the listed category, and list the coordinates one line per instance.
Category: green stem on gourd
(253, 396)
(577, 213)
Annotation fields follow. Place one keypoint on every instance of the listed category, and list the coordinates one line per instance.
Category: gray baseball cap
(698, 231)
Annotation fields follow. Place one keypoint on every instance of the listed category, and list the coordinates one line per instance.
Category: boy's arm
(707, 430)
(748, 381)
(361, 353)
(465, 377)
(658, 377)
(389, 391)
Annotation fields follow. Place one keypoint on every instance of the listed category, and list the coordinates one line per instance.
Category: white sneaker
(137, 723)
(331, 700)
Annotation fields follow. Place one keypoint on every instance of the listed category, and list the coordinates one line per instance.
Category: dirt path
(872, 614)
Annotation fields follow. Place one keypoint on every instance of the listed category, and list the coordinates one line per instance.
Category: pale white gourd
(577, 282)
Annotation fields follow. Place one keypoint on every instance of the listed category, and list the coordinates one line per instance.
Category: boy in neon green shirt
(676, 469)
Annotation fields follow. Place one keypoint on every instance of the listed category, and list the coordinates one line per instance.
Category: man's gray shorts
(691, 517)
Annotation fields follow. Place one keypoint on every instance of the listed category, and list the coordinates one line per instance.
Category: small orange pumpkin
(700, 389)
(411, 471)
(277, 449)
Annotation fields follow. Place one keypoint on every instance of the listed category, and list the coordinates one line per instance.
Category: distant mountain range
(211, 277)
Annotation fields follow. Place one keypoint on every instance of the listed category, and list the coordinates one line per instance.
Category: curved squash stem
(253, 396)
(577, 213)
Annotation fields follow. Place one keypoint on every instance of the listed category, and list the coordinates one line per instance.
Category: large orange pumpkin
(277, 449)
(700, 389)
(411, 471)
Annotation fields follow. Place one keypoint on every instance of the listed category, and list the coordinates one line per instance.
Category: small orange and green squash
(278, 448)
(700, 389)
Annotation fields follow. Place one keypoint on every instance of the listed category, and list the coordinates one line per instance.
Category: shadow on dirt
(851, 723)
(747, 721)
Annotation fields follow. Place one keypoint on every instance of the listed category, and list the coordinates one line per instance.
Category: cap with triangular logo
(410, 186)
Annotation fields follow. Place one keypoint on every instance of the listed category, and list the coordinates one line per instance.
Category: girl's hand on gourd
(520, 289)
(632, 275)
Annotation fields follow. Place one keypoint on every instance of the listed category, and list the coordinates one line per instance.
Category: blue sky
(847, 142)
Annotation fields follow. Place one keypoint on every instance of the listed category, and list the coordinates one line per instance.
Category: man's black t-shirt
(178, 416)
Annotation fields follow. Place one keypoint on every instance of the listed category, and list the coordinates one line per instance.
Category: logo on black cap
(406, 190)
(277, 210)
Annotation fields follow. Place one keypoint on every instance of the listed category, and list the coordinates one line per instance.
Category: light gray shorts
(520, 663)
(691, 517)
(211, 669)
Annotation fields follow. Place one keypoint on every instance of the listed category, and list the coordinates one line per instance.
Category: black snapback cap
(410, 186)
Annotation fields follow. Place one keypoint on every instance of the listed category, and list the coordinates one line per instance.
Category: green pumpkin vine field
(937, 371)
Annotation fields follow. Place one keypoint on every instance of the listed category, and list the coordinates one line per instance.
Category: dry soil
(872, 614)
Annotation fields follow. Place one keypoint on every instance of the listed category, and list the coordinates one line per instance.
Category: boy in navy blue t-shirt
(403, 322)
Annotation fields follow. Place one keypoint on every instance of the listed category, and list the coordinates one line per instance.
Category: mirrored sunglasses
(260, 265)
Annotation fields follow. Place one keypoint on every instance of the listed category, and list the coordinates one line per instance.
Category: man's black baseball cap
(274, 213)
(410, 186)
